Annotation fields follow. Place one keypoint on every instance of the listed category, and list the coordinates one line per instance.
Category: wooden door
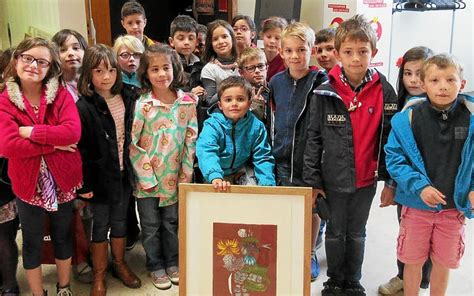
(100, 22)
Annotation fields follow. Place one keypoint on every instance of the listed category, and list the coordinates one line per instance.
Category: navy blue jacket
(291, 98)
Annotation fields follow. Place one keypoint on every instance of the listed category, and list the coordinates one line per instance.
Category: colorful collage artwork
(244, 259)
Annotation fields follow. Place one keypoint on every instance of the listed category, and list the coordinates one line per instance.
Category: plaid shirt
(368, 77)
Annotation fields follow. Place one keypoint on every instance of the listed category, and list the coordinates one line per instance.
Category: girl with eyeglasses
(106, 112)
(244, 30)
(39, 128)
(129, 50)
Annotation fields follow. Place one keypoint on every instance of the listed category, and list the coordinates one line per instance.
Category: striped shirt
(117, 109)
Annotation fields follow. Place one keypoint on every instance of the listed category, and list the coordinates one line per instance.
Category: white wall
(48, 16)
(433, 29)
(409, 29)
(72, 15)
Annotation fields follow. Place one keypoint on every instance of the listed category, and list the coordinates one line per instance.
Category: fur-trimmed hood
(16, 97)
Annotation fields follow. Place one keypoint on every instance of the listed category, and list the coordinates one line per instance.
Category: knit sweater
(58, 124)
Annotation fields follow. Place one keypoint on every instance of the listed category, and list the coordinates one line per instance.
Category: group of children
(122, 125)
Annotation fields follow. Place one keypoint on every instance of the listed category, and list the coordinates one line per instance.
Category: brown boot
(99, 261)
(119, 267)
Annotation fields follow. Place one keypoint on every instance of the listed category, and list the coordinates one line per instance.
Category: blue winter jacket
(224, 147)
(406, 167)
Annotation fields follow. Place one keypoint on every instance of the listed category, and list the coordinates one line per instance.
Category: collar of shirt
(369, 75)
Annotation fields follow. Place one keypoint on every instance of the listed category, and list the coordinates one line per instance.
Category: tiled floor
(379, 264)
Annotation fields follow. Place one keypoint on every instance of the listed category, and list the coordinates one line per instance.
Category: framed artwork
(249, 241)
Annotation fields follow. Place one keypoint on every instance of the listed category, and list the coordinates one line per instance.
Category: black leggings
(32, 228)
(8, 253)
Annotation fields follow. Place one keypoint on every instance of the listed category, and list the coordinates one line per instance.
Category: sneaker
(160, 280)
(353, 289)
(130, 244)
(173, 274)
(10, 292)
(332, 288)
(63, 291)
(423, 292)
(393, 286)
(314, 267)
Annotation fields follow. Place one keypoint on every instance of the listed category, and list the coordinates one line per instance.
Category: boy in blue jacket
(430, 157)
(232, 137)
(290, 94)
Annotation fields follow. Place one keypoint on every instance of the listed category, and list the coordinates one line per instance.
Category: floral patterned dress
(163, 146)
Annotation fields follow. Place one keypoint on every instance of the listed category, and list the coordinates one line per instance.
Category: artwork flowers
(244, 259)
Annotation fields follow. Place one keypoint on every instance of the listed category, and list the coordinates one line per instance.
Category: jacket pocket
(461, 247)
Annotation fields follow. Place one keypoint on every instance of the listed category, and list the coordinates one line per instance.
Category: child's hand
(148, 190)
(198, 91)
(471, 199)
(316, 192)
(86, 195)
(25, 131)
(70, 148)
(387, 197)
(432, 196)
(257, 96)
(220, 184)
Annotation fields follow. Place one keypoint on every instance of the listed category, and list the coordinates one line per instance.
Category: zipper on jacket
(376, 173)
(294, 128)
(233, 146)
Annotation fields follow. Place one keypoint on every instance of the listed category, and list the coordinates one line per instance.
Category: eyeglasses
(29, 59)
(127, 55)
(243, 29)
(260, 67)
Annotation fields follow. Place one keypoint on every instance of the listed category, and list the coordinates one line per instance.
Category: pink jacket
(58, 125)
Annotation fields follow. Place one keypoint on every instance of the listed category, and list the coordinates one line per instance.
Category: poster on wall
(244, 259)
(204, 7)
(377, 12)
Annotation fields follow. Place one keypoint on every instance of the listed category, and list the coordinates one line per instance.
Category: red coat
(58, 125)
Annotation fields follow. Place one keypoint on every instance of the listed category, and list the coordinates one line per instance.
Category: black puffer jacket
(98, 147)
(329, 154)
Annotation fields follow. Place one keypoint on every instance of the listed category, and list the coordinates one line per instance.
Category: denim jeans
(111, 216)
(345, 233)
(159, 233)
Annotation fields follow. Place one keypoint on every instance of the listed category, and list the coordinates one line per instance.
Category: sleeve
(66, 132)
(400, 169)
(211, 89)
(208, 153)
(85, 147)
(187, 160)
(258, 109)
(263, 161)
(12, 144)
(139, 157)
(472, 181)
(313, 151)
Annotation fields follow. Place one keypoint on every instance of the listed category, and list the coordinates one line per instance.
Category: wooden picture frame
(287, 209)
